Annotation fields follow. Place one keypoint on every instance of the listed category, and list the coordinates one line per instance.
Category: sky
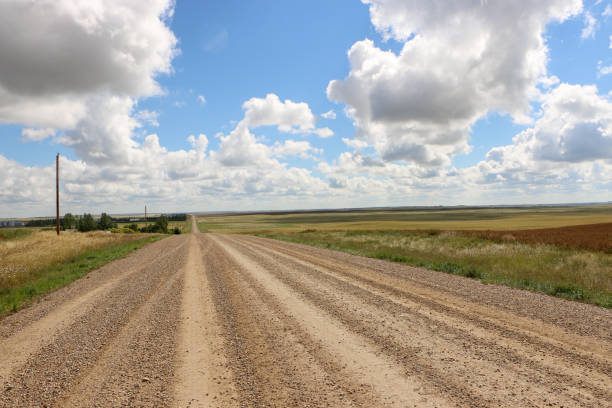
(227, 106)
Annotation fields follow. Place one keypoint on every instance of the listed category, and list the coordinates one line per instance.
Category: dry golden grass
(22, 258)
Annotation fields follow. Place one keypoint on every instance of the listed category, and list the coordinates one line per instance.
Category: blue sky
(198, 105)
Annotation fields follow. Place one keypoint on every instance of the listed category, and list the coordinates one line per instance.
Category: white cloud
(329, 115)
(565, 156)
(604, 70)
(200, 144)
(570, 144)
(590, 26)
(356, 144)
(86, 65)
(300, 148)
(607, 11)
(458, 62)
(288, 116)
(202, 99)
(324, 132)
(147, 116)
(36, 135)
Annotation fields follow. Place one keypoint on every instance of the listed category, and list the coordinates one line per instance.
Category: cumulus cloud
(37, 134)
(200, 143)
(571, 143)
(202, 99)
(76, 59)
(459, 61)
(356, 144)
(566, 153)
(299, 148)
(287, 116)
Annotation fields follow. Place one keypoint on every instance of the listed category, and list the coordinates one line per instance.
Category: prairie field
(454, 218)
(35, 261)
(561, 251)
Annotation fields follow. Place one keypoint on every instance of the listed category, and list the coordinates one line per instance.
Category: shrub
(162, 223)
(105, 222)
(177, 230)
(68, 222)
(86, 223)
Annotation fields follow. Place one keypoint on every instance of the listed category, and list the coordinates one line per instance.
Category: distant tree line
(44, 222)
(86, 222)
(170, 217)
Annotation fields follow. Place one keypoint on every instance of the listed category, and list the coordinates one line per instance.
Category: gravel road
(207, 320)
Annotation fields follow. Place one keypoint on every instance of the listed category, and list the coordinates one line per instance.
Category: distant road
(208, 320)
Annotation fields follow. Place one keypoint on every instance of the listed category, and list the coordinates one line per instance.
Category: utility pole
(145, 213)
(57, 219)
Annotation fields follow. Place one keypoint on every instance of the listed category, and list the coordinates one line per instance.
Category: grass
(43, 262)
(186, 226)
(573, 274)
(9, 234)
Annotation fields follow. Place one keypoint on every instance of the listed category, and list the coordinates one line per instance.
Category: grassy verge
(580, 275)
(54, 276)
(7, 234)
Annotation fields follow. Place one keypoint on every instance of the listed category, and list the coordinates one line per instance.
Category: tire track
(359, 361)
(502, 358)
(538, 333)
(544, 315)
(49, 375)
(275, 363)
(203, 377)
(23, 334)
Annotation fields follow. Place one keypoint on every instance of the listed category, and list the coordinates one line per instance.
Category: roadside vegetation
(163, 224)
(545, 249)
(15, 233)
(41, 262)
(572, 274)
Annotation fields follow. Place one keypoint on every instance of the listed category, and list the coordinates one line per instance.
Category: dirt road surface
(206, 320)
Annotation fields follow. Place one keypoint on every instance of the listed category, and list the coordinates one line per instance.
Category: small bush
(176, 231)
(86, 223)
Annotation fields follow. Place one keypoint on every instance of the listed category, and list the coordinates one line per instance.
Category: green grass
(572, 274)
(7, 234)
(58, 275)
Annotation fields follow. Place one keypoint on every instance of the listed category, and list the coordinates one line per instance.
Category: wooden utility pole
(57, 219)
(145, 213)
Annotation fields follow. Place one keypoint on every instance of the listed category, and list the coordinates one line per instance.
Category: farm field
(453, 218)
(231, 320)
(544, 249)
